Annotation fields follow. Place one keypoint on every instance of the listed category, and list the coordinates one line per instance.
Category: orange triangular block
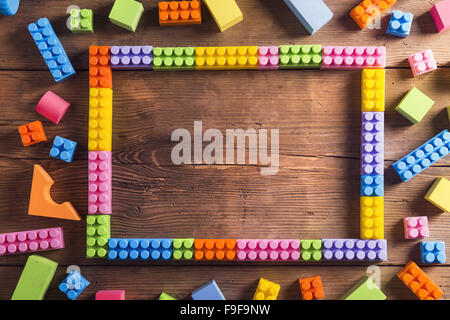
(41, 202)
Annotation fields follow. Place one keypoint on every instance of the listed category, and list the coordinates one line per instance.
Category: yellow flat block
(226, 13)
(226, 58)
(439, 194)
(372, 217)
(373, 90)
(100, 119)
(266, 290)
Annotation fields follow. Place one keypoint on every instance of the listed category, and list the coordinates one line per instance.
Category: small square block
(414, 105)
(441, 15)
(419, 283)
(82, 21)
(139, 249)
(110, 295)
(372, 186)
(98, 231)
(268, 58)
(432, 252)
(372, 217)
(311, 250)
(183, 249)
(165, 296)
(215, 249)
(372, 143)
(226, 13)
(73, 285)
(126, 14)
(373, 90)
(400, 24)
(416, 227)
(100, 74)
(32, 133)
(312, 14)
(422, 62)
(209, 291)
(174, 13)
(439, 194)
(295, 57)
(131, 57)
(63, 149)
(311, 288)
(266, 290)
(173, 58)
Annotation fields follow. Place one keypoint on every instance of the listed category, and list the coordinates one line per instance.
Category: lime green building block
(311, 250)
(448, 112)
(126, 14)
(439, 194)
(82, 21)
(35, 278)
(365, 289)
(415, 105)
(179, 58)
(98, 231)
(165, 296)
(183, 249)
(305, 56)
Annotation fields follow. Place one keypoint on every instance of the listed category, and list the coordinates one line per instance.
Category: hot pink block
(268, 249)
(416, 227)
(52, 106)
(100, 182)
(441, 15)
(353, 57)
(31, 241)
(268, 58)
(110, 295)
(422, 62)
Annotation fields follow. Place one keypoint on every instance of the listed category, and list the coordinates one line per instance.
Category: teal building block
(179, 58)
(126, 14)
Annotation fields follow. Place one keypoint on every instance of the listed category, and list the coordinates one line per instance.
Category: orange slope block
(41, 202)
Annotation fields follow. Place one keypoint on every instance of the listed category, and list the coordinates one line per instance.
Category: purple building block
(354, 250)
(131, 57)
(372, 143)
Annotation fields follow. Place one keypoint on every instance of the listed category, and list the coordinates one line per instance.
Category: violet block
(354, 249)
(131, 57)
(372, 143)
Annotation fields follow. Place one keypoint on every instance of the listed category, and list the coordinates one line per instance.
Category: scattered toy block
(423, 157)
(372, 143)
(306, 56)
(175, 13)
(226, 13)
(98, 231)
(100, 74)
(266, 290)
(422, 62)
(311, 250)
(432, 252)
(110, 295)
(369, 10)
(441, 15)
(51, 49)
(73, 285)
(414, 105)
(268, 58)
(35, 279)
(400, 24)
(165, 296)
(52, 106)
(372, 217)
(267, 250)
(41, 202)
(139, 249)
(131, 57)
(209, 291)
(9, 7)
(31, 241)
(215, 249)
(63, 149)
(354, 250)
(364, 289)
(226, 58)
(313, 15)
(373, 90)
(416, 227)
(372, 186)
(311, 288)
(81, 21)
(439, 194)
(419, 283)
(183, 249)
(32, 133)
(126, 14)
(100, 182)
(100, 119)
(353, 58)
(170, 58)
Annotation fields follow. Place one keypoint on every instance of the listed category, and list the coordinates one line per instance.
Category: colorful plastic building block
(268, 58)
(209, 291)
(311, 250)
(268, 250)
(372, 143)
(372, 218)
(100, 75)
(31, 241)
(126, 14)
(306, 56)
(180, 58)
(52, 106)
(354, 250)
(422, 62)
(353, 57)
(51, 49)
(312, 14)
(41, 202)
(416, 227)
(131, 57)
(419, 283)
(32, 133)
(226, 58)
(432, 252)
(226, 13)
(448, 112)
(215, 249)
(81, 21)
(100, 182)
(364, 289)
(439, 194)
(110, 295)
(373, 90)
(400, 24)
(414, 105)
(9, 7)
(140, 249)
(175, 13)
(372, 186)
(441, 15)
(424, 156)
(266, 290)
(183, 249)
(311, 288)
(165, 296)
(100, 119)
(369, 10)
(98, 231)
(35, 279)
(73, 285)
(63, 149)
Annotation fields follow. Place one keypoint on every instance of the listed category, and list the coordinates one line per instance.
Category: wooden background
(314, 195)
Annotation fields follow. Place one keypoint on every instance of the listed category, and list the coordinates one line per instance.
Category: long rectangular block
(226, 58)
(173, 58)
(140, 249)
(354, 250)
(267, 249)
(215, 249)
(439, 193)
(419, 283)
(367, 11)
(209, 291)
(372, 143)
(31, 241)
(441, 15)
(268, 58)
(296, 56)
(414, 105)
(226, 13)
(100, 74)
(373, 90)
(364, 289)
(110, 295)
(266, 290)
(353, 58)
(131, 57)
(99, 182)
(100, 119)
(312, 14)
(372, 217)
(98, 231)
(176, 13)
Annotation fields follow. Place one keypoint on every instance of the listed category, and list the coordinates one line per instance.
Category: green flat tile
(173, 58)
(81, 21)
(296, 56)
(311, 250)
(126, 14)
(415, 105)
(98, 231)
(165, 296)
(183, 249)
(365, 289)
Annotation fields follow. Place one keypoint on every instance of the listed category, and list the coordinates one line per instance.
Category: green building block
(81, 21)
(183, 249)
(180, 58)
(126, 14)
(35, 278)
(311, 250)
(294, 56)
(365, 289)
(98, 232)
(165, 296)
(415, 105)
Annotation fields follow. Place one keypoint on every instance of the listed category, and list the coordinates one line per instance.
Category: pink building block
(110, 295)
(422, 62)
(416, 227)
(31, 241)
(52, 106)
(441, 15)
(268, 58)
(353, 57)
(261, 250)
(99, 178)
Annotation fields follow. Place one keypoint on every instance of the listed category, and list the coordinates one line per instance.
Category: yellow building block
(439, 194)
(373, 89)
(266, 290)
(226, 13)
(226, 58)
(100, 119)
(372, 218)
(448, 111)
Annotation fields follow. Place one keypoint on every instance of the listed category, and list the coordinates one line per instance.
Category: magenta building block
(131, 57)
(422, 62)
(416, 227)
(268, 58)
(355, 58)
(372, 143)
(267, 249)
(100, 182)
(441, 15)
(52, 106)
(110, 295)
(31, 241)
(354, 250)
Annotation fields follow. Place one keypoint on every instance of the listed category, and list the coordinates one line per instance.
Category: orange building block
(215, 249)
(368, 10)
(419, 283)
(41, 202)
(100, 75)
(32, 133)
(174, 13)
(311, 288)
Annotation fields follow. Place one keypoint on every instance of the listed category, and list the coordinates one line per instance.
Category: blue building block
(372, 186)
(424, 156)
(209, 291)
(400, 24)
(140, 249)
(9, 7)
(63, 149)
(51, 49)
(73, 285)
(432, 252)
(313, 14)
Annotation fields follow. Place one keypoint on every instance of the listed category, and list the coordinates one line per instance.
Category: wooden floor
(314, 195)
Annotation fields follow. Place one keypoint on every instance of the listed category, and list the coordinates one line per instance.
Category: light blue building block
(372, 186)
(140, 249)
(73, 285)
(400, 24)
(209, 291)
(63, 149)
(313, 14)
(9, 7)
(432, 252)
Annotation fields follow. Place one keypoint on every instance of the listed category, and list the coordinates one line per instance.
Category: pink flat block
(110, 295)
(267, 249)
(441, 15)
(100, 180)
(31, 241)
(416, 227)
(268, 58)
(52, 106)
(356, 58)
(422, 62)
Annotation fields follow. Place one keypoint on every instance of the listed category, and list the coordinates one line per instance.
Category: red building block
(173, 13)
(100, 75)
(32, 133)
(311, 288)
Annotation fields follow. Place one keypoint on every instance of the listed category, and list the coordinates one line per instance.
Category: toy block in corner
(126, 14)
(305, 56)
(414, 105)
(35, 279)
(372, 218)
(98, 232)
(439, 194)
(140, 249)
(364, 289)
(41, 202)
(81, 21)
(32, 133)
(73, 285)
(100, 74)
(131, 57)
(209, 291)
(226, 13)
(110, 295)
(353, 58)
(432, 252)
(311, 250)
(373, 90)
(400, 24)
(176, 13)
(31, 241)
(173, 58)
(367, 11)
(215, 249)
(441, 15)
(165, 296)
(311, 288)
(416, 227)
(226, 58)
(63, 149)
(419, 283)
(183, 249)
(313, 15)
(422, 62)
(266, 290)
(9, 7)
